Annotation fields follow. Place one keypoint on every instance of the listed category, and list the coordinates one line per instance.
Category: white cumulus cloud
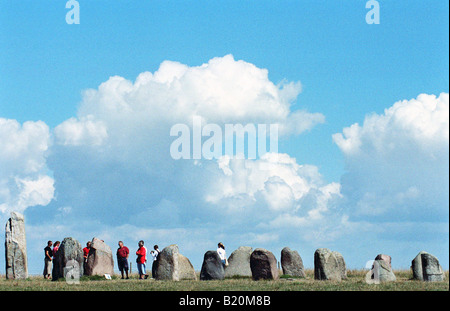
(23, 172)
(397, 162)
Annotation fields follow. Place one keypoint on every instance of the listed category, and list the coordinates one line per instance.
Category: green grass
(355, 282)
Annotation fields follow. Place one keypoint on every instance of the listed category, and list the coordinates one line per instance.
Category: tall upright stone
(426, 267)
(16, 247)
(69, 255)
(100, 259)
(167, 264)
(212, 268)
(239, 263)
(170, 265)
(382, 269)
(292, 263)
(329, 265)
(264, 265)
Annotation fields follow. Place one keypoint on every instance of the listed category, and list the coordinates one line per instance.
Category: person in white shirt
(154, 254)
(222, 253)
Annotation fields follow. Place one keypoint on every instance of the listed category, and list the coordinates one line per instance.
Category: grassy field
(355, 282)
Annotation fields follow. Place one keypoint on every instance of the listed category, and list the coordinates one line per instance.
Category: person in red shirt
(86, 254)
(86, 250)
(141, 260)
(122, 258)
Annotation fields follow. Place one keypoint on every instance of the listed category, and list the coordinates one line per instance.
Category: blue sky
(348, 70)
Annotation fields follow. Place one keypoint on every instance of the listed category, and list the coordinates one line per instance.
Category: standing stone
(167, 264)
(172, 266)
(292, 263)
(382, 269)
(16, 247)
(342, 266)
(70, 253)
(100, 259)
(263, 265)
(329, 265)
(186, 269)
(386, 258)
(212, 268)
(426, 267)
(239, 263)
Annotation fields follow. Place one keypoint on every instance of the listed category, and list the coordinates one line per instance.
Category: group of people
(122, 258)
(49, 254)
(122, 254)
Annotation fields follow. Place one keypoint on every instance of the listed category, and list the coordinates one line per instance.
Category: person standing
(55, 248)
(122, 259)
(141, 260)
(222, 254)
(48, 260)
(155, 252)
(56, 265)
(86, 250)
(86, 254)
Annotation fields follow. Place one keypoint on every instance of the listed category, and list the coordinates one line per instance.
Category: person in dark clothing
(122, 258)
(155, 252)
(56, 270)
(48, 253)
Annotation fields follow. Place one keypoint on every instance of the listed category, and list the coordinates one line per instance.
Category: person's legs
(126, 267)
(120, 264)
(154, 269)
(47, 268)
(139, 266)
(144, 271)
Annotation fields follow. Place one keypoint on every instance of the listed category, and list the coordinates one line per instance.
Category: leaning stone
(70, 254)
(16, 247)
(342, 266)
(386, 258)
(186, 269)
(239, 263)
(292, 263)
(263, 265)
(100, 259)
(167, 264)
(212, 268)
(426, 267)
(382, 271)
(329, 265)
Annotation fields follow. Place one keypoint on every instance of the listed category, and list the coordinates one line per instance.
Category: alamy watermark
(373, 15)
(72, 272)
(211, 141)
(73, 15)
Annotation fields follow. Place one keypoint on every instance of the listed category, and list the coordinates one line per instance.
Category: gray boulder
(292, 263)
(100, 259)
(167, 264)
(170, 265)
(263, 265)
(329, 265)
(186, 269)
(239, 263)
(426, 267)
(16, 247)
(212, 268)
(342, 266)
(68, 257)
(382, 272)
